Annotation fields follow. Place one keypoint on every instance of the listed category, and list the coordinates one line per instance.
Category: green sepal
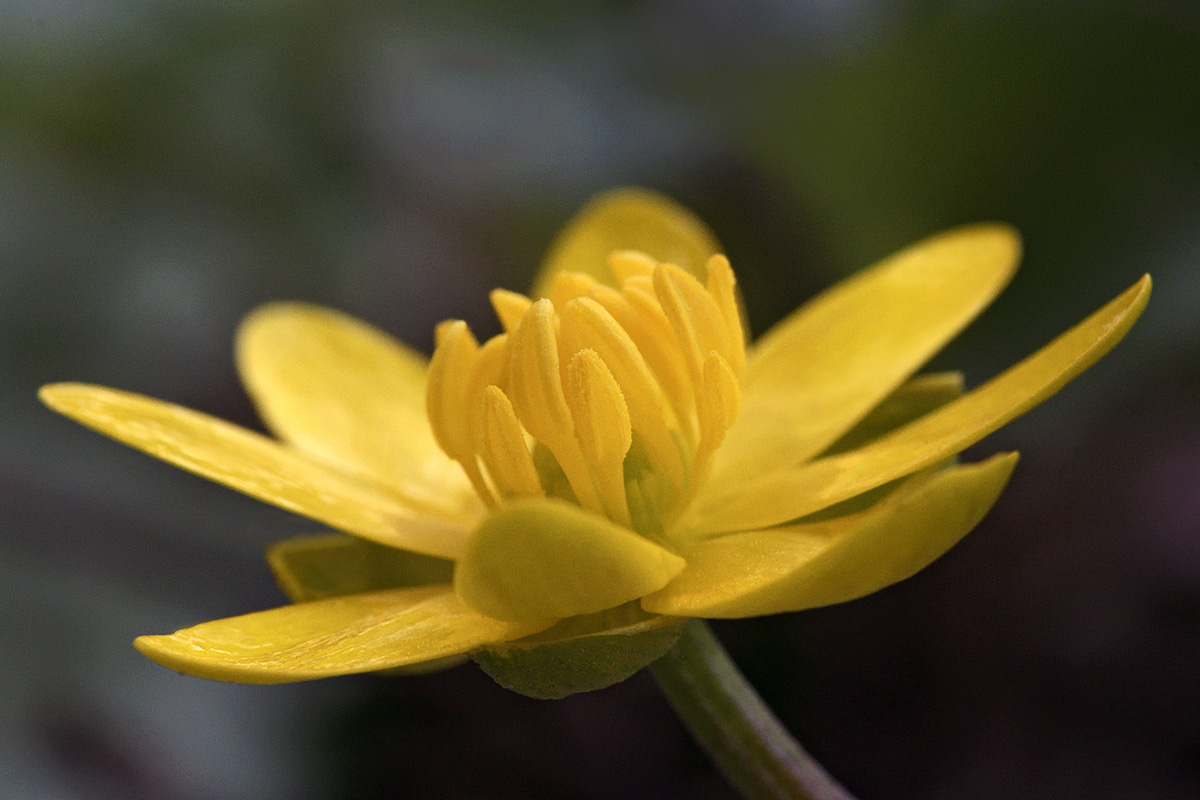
(316, 567)
(581, 654)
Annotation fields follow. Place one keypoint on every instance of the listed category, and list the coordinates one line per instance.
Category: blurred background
(166, 166)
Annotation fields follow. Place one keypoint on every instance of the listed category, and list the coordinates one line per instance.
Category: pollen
(613, 396)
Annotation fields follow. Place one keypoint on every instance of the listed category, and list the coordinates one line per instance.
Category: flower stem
(731, 722)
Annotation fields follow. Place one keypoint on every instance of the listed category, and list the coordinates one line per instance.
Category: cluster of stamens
(613, 398)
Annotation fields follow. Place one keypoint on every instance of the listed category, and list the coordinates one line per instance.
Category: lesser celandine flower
(556, 500)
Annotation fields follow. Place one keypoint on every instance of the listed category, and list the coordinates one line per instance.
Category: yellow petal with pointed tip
(627, 219)
(791, 493)
(820, 563)
(261, 468)
(814, 375)
(344, 392)
(546, 559)
(339, 636)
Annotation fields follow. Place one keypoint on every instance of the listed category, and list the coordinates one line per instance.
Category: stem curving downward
(728, 718)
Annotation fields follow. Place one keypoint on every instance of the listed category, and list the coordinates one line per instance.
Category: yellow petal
(344, 392)
(546, 559)
(810, 378)
(788, 494)
(339, 636)
(331, 565)
(262, 468)
(627, 219)
(807, 565)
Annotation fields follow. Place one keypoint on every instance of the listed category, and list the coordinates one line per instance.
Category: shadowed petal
(339, 636)
(544, 559)
(263, 468)
(345, 393)
(627, 219)
(789, 494)
(814, 375)
(807, 565)
(331, 565)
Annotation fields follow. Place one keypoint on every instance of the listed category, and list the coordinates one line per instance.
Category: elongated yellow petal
(546, 559)
(627, 219)
(810, 378)
(338, 636)
(791, 493)
(263, 468)
(344, 392)
(820, 563)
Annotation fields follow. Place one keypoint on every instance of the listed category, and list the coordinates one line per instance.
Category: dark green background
(164, 167)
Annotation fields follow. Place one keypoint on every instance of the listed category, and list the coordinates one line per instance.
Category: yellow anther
(625, 264)
(509, 306)
(569, 284)
(694, 316)
(722, 286)
(490, 368)
(439, 331)
(614, 398)
(536, 391)
(640, 314)
(642, 283)
(598, 407)
(504, 450)
(718, 404)
(445, 394)
(587, 324)
(446, 399)
(534, 385)
(602, 427)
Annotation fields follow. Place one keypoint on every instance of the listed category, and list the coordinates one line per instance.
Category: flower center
(612, 398)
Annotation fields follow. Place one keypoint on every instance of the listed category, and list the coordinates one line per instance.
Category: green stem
(731, 722)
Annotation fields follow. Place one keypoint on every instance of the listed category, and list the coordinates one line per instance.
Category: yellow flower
(557, 499)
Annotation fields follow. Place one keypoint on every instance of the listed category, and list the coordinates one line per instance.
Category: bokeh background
(166, 166)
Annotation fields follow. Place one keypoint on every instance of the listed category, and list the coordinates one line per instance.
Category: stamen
(643, 319)
(694, 316)
(642, 283)
(616, 402)
(509, 306)
(722, 286)
(625, 264)
(602, 427)
(718, 404)
(446, 399)
(503, 447)
(536, 391)
(439, 331)
(569, 284)
(586, 324)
